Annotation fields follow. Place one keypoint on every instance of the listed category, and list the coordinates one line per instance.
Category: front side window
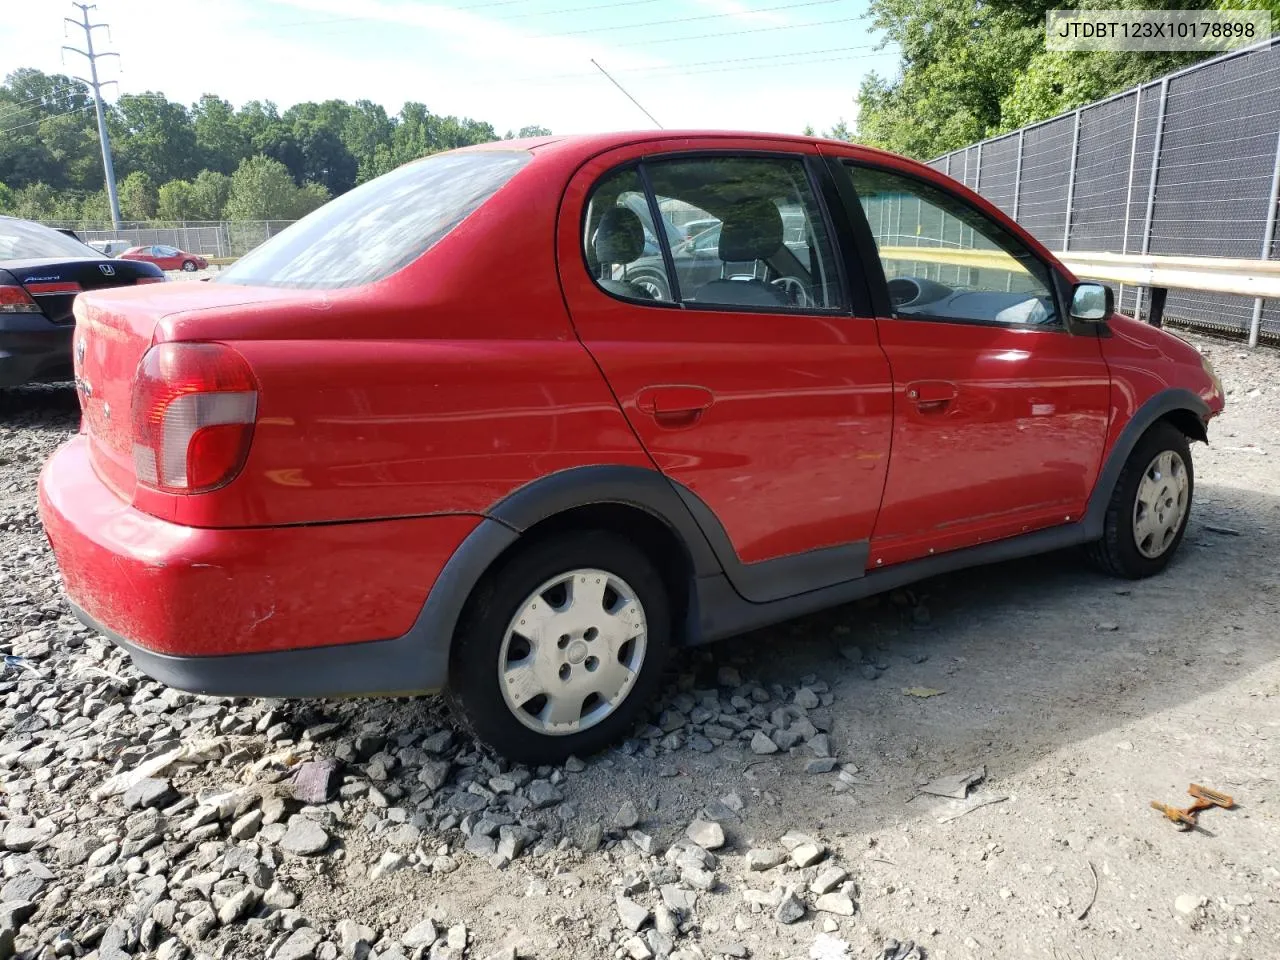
(762, 241)
(943, 260)
(381, 226)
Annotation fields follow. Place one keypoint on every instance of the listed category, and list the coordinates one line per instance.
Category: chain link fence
(225, 239)
(1185, 165)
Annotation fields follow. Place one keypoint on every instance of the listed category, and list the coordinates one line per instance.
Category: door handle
(674, 404)
(931, 394)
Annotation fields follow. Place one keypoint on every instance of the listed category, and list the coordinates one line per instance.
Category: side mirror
(1091, 302)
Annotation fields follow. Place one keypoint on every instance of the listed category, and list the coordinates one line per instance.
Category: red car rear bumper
(272, 611)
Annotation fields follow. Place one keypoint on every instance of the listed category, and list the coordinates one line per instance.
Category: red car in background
(447, 432)
(166, 257)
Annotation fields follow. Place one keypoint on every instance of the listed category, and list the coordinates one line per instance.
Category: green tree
(155, 136)
(221, 141)
(95, 207)
(138, 196)
(176, 201)
(6, 200)
(209, 193)
(310, 196)
(261, 189)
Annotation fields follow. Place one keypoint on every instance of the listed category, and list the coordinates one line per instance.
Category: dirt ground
(1083, 698)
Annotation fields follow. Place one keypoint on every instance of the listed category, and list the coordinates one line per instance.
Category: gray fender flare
(1162, 404)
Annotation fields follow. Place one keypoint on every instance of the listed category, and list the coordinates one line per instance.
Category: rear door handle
(674, 404)
(928, 394)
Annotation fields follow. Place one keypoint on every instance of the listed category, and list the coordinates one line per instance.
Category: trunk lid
(114, 329)
(55, 283)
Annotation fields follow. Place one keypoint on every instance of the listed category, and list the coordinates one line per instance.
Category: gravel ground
(771, 807)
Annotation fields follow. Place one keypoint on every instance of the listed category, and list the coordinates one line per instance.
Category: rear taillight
(194, 406)
(14, 299)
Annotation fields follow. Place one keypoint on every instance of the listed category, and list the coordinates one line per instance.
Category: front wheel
(560, 648)
(1149, 508)
(188, 266)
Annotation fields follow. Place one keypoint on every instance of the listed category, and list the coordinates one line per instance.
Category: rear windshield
(22, 240)
(372, 231)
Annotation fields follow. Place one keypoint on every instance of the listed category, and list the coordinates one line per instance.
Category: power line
(89, 54)
(737, 33)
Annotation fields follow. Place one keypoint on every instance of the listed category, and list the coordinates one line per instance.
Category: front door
(763, 394)
(1000, 412)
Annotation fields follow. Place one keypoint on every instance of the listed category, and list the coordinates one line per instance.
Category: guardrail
(1259, 279)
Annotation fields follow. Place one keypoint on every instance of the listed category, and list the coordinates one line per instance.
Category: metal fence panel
(1183, 165)
(1102, 176)
(999, 173)
(1046, 168)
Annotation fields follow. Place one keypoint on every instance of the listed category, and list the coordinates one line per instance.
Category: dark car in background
(41, 272)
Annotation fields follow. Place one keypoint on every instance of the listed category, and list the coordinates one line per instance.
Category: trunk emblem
(107, 269)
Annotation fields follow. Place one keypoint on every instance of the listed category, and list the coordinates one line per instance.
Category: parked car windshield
(22, 240)
(379, 227)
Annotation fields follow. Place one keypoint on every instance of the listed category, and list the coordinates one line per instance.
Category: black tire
(654, 282)
(188, 266)
(1117, 553)
(473, 691)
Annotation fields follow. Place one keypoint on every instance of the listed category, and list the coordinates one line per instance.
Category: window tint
(762, 241)
(619, 242)
(379, 227)
(945, 260)
(21, 239)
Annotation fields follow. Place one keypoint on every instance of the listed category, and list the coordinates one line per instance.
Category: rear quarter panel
(438, 390)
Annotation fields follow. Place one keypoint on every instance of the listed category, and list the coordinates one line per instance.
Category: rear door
(766, 400)
(1000, 410)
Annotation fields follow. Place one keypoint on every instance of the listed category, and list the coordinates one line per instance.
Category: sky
(770, 65)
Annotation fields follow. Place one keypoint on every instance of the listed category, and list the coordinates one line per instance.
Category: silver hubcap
(573, 652)
(1161, 504)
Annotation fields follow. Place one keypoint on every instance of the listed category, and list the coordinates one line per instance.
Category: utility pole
(89, 54)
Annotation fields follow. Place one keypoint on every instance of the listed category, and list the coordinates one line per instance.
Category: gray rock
(836, 903)
(388, 863)
(828, 879)
(819, 745)
(632, 914)
(764, 859)
(317, 781)
(6, 943)
(14, 913)
(806, 699)
(697, 877)
(643, 841)
(351, 935)
(820, 765)
(435, 773)
(422, 934)
(301, 945)
(761, 745)
(152, 792)
(627, 816)
(790, 909)
(247, 826)
(678, 899)
(24, 887)
(21, 839)
(201, 924)
(729, 677)
(807, 854)
(869, 672)
(707, 834)
(173, 949)
(304, 837)
(543, 794)
(457, 937)
(238, 906)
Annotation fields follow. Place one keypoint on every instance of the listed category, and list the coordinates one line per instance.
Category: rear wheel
(188, 266)
(1149, 508)
(560, 648)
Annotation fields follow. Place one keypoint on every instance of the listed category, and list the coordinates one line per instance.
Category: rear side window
(379, 227)
(21, 240)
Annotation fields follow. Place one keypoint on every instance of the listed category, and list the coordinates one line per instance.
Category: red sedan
(166, 257)
(458, 431)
